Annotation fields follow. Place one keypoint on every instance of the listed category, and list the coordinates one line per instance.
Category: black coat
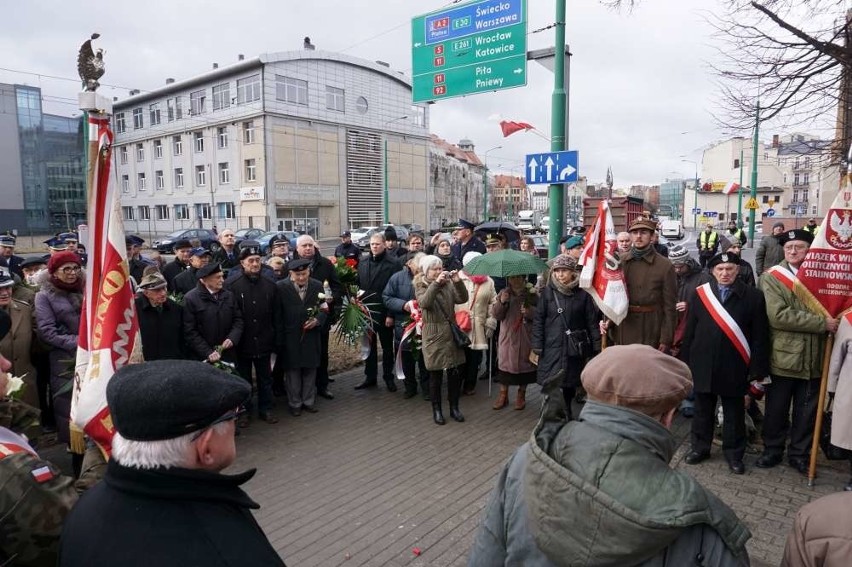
(398, 292)
(256, 298)
(716, 365)
(548, 333)
(374, 272)
(207, 322)
(227, 261)
(323, 270)
(186, 281)
(349, 251)
(172, 270)
(14, 265)
(301, 349)
(168, 518)
(161, 331)
(746, 273)
(472, 245)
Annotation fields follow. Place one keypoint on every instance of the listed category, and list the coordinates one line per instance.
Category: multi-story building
(303, 140)
(456, 182)
(509, 196)
(41, 165)
(670, 197)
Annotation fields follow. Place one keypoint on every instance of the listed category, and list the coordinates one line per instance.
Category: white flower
(15, 384)
(320, 296)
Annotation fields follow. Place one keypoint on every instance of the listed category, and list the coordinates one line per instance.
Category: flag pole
(823, 389)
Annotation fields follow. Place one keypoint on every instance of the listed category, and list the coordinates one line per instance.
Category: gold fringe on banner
(78, 440)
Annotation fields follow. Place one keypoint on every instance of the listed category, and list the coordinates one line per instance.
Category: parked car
(248, 234)
(541, 245)
(672, 229)
(358, 233)
(264, 239)
(414, 227)
(364, 242)
(207, 238)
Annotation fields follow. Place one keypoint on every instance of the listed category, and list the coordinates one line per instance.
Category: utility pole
(740, 192)
(556, 195)
(485, 185)
(754, 175)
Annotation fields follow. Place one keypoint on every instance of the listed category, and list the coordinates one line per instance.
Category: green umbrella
(505, 263)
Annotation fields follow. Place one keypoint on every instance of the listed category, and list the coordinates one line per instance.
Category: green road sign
(473, 47)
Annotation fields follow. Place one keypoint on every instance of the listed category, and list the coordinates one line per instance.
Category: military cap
(55, 243)
(165, 399)
(6, 280)
(494, 238)
(7, 240)
(249, 248)
(153, 281)
(68, 236)
(345, 234)
(208, 270)
(182, 243)
(298, 264)
(133, 240)
(34, 261)
(638, 377)
(642, 223)
(564, 262)
(200, 251)
(466, 224)
(678, 254)
(797, 234)
(723, 258)
(278, 239)
(572, 241)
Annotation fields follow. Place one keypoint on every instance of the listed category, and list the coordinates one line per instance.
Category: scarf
(638, 253)
(76, 287)
(564, 289)
(478, 280)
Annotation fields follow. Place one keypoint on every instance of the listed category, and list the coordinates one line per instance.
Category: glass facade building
(671, 197)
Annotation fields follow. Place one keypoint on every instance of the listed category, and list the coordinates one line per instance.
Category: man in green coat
(797, 341)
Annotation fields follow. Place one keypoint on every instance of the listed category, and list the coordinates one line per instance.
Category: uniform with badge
(8, 258)
(348, 249)
(472, 244)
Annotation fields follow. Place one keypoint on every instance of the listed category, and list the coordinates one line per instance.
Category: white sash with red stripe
(784, 276)
(725, 321)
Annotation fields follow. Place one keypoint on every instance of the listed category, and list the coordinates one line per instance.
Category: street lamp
(694, 195)
(485, 185)
(385, 200)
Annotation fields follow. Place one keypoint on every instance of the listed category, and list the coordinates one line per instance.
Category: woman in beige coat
(437, 292)
(480, 292)
(840, 384)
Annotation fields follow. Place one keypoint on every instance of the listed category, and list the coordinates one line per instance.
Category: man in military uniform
(468, 241)
(187, 281)
(8, 258)
(707, 244)
(183, 250)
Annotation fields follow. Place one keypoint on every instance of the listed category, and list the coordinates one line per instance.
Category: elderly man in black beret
(183, 250)
(212, 320)
(164, 500)
(160, 320)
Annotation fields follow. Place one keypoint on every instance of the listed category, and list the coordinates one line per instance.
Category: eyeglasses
(71, 269)
(230, 416)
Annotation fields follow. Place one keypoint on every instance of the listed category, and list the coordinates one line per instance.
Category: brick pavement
(370, 477)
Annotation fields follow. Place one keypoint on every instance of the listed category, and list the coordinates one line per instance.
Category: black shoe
(694, 457)
(310, 409)
(391, 385)
(408, 395)
(326, 394)
(737, 467)
(456, 414)
(366, 384)
(767, 461)
(800, 465)
(268, 417)
(295, 412)
(438, 415)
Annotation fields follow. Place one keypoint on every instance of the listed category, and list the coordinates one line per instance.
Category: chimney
(240, 57)
(308, 45)
(383, 64)
(775, 140)
(134, 92)
(115, 99)
(169, 81)
(215, 65)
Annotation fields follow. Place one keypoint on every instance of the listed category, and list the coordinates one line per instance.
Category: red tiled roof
(455, 151)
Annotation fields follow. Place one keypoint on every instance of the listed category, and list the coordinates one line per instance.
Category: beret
(723, 258)
(678, 254)
(797, 234)
(182, 243)
(298, 264)
(62, 258)
(466, 224)
(638, 377)
(249, 248)
(564, 262)
(572, 241)
(165, 399)
(208, 270)
(153, 281)
(642, 223)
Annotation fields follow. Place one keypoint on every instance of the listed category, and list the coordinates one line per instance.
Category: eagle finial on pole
(90, 64)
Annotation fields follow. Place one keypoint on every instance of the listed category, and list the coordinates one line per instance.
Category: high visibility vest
(708, 242)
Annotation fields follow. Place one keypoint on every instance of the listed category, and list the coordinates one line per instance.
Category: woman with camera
(565, 331)
(437, 292)
(515, 309)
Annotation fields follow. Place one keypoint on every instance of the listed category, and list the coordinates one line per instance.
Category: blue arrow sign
(770, 212)
(554, 167)
(696, 211)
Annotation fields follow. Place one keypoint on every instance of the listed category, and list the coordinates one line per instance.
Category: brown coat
(820, 533)
(17, 346)
(515, 343)
(840, 382)
(436, 300)
(651, 286)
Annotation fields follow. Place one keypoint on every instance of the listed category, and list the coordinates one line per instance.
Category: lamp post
(485, 185)
(694, 195)
(386, 199)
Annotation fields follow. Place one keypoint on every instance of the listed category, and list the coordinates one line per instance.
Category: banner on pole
(602, 275)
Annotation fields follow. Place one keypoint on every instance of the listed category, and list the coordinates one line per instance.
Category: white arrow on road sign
(549, 165)
(566, 172)
(533, 165)
(518, 71)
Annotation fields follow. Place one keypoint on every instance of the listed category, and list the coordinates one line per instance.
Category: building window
(795, 195)
(162, 212)
(200, 175)
(125, 184)
(334, 99)
(174, 109)
(765, 199)
(203, 211)
(161, 180)
(418, 115)
(140, 183)
(154, 111)
(127, 213)
(224, 173)
(123, 153)
(807, 163)
(804, 195)
(796, 163)
(251, 170)
(248, 89)
(736, 163)
(196, 102)
(181, 212)
(140, 152)
(120, 123)
(226, 211)
(361, 105)
(221, 96)
(158, 149)
(806, 177)
(291, 90)
(179, 177)
(222, 137)
(814, 210)
(248, 132)
(138, 121)
(795, 179)
(199, 141)
(144, 212)
(177, 145)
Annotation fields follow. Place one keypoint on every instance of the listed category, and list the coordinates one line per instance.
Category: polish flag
(602, 276)
(509, 127)
(731, 187)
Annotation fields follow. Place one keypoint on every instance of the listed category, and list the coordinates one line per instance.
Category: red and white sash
(784, 276)
(725, 321)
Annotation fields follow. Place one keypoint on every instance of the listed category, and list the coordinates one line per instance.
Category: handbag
(579, 344)
(460, 338)
(463, 316)
(831, 452)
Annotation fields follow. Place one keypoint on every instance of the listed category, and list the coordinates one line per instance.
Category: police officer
(736, 234)
(812, 226)
(707, 244)
(347, 249)
(468, 241)
(8, 258)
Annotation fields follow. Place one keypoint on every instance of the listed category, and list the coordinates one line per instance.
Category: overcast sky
(641, 91)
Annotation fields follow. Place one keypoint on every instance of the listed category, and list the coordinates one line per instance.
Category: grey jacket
(599, 492)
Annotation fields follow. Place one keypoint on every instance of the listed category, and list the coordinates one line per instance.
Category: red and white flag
(826, 272)
(602, 276)
(109, 329)
(509, 127)
(731, 187)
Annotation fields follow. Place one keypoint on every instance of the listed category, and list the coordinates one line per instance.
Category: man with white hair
(172, 440)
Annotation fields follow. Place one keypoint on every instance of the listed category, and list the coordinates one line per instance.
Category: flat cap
(298, 264)
(797, 234)
(723, 258)
(642, 223)
(34, 261)
(153, 281)
(182, 243)
(208, 270)
(638, 377)
(466, 224)
(165, 399)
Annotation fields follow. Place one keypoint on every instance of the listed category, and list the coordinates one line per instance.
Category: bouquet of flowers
(530, 298)
(177, 297)
(347, 274)
(321, 306)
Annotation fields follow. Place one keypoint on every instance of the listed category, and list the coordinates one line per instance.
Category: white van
(672, 229)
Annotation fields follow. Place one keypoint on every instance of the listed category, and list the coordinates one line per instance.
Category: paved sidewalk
(370, 478)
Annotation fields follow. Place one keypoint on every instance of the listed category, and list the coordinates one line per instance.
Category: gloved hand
(490, 327)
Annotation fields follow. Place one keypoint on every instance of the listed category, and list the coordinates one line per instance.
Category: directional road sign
(711, 214)
(474, 47)
(696, 211)
(554, 167)
(770, 212)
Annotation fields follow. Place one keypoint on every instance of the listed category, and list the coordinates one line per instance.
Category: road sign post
(474, 47)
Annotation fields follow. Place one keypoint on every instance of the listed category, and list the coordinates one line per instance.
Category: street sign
(553, 167)
(474, 47)
(770, 212)
(752, 204)
(802, 210)
(711, 214)
(696, 211)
